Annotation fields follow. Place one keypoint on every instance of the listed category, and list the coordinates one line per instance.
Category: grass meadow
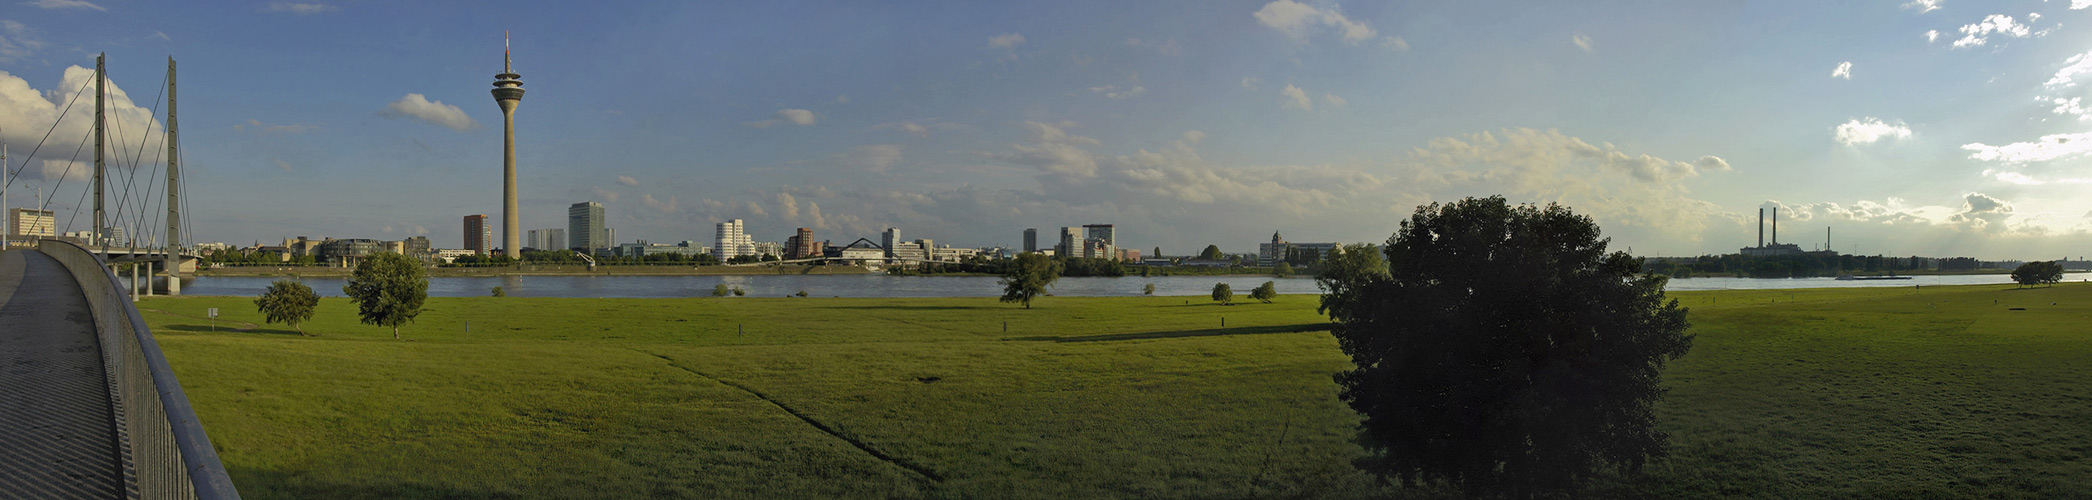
(1878, 392)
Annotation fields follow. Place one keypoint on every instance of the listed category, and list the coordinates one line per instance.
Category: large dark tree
(1027, 277)
(1212, 252)
(388, 289)
(1504, 351)
(2038, 273)
(287, 301)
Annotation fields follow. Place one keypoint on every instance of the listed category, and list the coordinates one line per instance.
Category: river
(947, 286)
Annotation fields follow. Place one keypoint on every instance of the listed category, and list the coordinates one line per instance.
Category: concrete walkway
(57, 432)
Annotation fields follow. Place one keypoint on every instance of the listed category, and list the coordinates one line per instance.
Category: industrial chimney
(1761, 227)
(1775, 225)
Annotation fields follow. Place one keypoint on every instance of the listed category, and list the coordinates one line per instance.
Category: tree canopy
(1223, 293)
(1265, 292)
(1027, 277)
(388, 289)
(2038, 273)
(289, 302)
(1503, 350)
(1212, 252)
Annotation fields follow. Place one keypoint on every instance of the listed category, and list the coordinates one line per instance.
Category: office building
(477, 234)
(31, 222)
(585, 227)
(414, 246)
(1279, 250)
(1071, 242)
(801, 245)
(1031, 240)
(889, 239)
(730, 239)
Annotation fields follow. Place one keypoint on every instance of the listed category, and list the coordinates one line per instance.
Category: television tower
(508, 91)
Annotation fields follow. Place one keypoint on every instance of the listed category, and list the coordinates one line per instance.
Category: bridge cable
(61, 183)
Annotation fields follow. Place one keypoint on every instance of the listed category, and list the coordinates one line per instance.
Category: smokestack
(1775, 225)
(1761, 227)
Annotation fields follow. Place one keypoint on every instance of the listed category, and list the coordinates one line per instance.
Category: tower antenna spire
(504, 52)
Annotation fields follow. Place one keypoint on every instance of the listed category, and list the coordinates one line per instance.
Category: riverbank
(1944, 391)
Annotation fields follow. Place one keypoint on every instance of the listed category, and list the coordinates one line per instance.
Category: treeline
(1803, 265)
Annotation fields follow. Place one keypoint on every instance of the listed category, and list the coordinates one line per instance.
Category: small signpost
(214, 318)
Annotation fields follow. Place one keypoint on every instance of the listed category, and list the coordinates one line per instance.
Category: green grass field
(1885, 392)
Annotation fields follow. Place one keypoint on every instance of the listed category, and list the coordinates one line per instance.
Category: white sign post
(214, 319)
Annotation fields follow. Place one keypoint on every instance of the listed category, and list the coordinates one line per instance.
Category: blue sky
(1186, 123)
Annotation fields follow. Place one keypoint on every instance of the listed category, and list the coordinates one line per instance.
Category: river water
(945, 286)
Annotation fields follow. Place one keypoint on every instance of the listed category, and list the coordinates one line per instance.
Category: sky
(1928, 127)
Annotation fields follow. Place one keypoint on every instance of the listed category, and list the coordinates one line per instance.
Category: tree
(1265, 292)
(388, 289)
(1504, 351)
(1147, 289)
(722, 290)
(498, 292)
(1223, 294)
(1282, 270)
(1345, 276)
(1212, 252)
(2038, 273)
(1028, 276)
(1158, 253)
(289, 302)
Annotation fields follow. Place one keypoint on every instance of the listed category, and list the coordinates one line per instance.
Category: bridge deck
(57, 431)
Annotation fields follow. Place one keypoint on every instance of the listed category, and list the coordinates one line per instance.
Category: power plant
(1776, 248)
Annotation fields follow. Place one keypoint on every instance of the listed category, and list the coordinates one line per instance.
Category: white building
(731, 240)
(31, 222)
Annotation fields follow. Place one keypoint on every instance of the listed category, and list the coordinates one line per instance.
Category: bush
(722, 290)
(1265, 292)
(1223, 294)
(1148, 289)
(289, 302)
(498, 292)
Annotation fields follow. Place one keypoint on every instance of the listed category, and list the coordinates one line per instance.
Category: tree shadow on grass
(1212, 332)
(226, 329)
(924, 308)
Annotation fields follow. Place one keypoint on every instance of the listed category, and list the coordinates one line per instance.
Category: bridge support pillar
(134, 282)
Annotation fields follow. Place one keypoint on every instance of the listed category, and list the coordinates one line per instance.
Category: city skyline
(1195, 124)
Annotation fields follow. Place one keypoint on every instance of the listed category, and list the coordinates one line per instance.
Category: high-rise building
(534, 239)
(888, 239)
(731, 240)
(1071, 242)
(555, 238)
(414, 246)
(1031, 240)
(801, 245)
(1101, 232)
(31, 222)
(477, 234)
(585, 227)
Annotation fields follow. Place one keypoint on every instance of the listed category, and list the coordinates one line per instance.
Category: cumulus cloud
(1582, 41)
(627, 180)
(1300, 20)
(1844, 70)
(17, 41)
(1984, 212)
(302, 9)
(1297, 98)
(787, 206)
(798, 117)
(1006, 40)
(664, 206)
(27, 113)
(1116, 92)
(1978, 34)
(2072, 67)
(2080, 4)
(419, 107)
(1250, 83)
(1931, 36)
(55, 170)
(1868, 130)
(755, 210)
(2047, 148)
(64, 4)
(1923, 6)
(2073, 107)
(1331, 101)
(606, 195)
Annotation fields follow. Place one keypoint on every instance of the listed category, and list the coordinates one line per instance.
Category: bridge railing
(165, 452)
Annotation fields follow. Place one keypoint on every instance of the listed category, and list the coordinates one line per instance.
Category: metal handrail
(165, 451)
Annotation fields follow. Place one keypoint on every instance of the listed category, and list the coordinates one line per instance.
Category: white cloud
(1844, 70)
(54, 170)
(2074, 66)
(915, 130)
(606, 195)
(1298, 19)
(756, 210)
(664, 206)
(26, 113)
(1923, 6)
(1868, 130)
(1297, 98)
(813, 213)
(1996, 24)
(1931, 36)
(1983, 212)
(1250, 83)
(1331, 101)
(2080, 4)
(876, 157)
(627, 180)
(787, 206)
(64, 4)
(1114, 92)
(2071, 106)
(272, 128)
(798, 117)
(302, 9)
(17, 41)
(1194, 136)
(1582, 41)
(1394, 43)
(2048, 148)
(419, 107)
(1006, 40)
